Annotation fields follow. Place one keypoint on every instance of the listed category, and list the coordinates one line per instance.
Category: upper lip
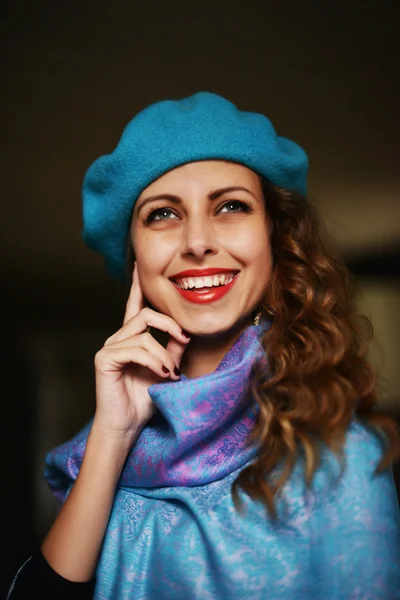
(202, 272)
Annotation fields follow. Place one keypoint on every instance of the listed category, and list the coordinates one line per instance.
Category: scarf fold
(199, 434)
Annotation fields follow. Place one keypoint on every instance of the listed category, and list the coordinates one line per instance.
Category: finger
(176, 349)
(148, 318)
(147, 342)
(135, 301)
(113, 360)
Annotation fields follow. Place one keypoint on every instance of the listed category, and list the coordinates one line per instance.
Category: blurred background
(73, 74)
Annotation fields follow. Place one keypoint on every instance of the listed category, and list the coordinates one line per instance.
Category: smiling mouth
(199, 284)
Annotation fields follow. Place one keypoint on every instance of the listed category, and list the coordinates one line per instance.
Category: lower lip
(206, 295)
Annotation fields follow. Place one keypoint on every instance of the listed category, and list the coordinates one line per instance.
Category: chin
(210, 325)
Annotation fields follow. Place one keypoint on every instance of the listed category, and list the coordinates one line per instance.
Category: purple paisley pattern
(198, 435)
(174, 532)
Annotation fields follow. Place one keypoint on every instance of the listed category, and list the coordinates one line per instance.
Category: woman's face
(200, 237)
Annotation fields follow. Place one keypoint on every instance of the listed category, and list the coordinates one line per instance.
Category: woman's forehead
(204, 174)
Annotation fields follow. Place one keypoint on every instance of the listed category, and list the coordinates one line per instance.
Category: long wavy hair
(319, 376)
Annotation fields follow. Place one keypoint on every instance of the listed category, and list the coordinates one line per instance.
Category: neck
(204, 353)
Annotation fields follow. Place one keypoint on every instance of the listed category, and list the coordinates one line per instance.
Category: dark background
(73, 74)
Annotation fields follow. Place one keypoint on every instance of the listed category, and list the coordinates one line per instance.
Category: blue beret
(168, 134)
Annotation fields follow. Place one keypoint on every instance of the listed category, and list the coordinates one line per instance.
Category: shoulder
(355, 522)
(354, 481)
(363, 450)
(364, 443)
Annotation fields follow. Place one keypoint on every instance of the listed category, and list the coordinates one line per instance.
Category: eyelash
(150, 218)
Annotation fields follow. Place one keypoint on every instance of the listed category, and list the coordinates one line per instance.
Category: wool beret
(166, 135)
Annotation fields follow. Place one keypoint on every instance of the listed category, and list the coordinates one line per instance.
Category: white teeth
(201, 282)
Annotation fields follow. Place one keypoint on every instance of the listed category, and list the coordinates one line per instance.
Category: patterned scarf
(199, 434)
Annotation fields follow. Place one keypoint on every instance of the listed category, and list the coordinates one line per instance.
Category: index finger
(135, 300)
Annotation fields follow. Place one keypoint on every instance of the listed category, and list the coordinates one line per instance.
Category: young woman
(236, 449)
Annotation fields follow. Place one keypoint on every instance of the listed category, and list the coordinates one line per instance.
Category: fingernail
(165, 369)
(185, 334)
(177, 372)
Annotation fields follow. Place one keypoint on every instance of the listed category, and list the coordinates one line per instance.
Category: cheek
(152, 261)
(261, 268)
(154, 249)
(253, 249)
(252, 246)
(149, 255)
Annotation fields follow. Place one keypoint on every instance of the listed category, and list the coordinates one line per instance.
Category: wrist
(117, 439)
(106, 451)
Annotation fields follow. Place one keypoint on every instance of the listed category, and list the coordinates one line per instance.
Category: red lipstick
(207, 294)
(202, 273)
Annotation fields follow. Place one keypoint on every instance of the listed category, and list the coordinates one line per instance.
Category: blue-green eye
(234, 206)
(160, 214)
(166, 214)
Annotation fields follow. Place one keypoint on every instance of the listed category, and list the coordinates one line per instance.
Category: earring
(257, 318)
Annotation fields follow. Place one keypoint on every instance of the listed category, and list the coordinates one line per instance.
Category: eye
(234, 206)
(160, 214)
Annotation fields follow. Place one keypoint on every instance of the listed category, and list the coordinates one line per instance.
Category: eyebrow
(177, 200)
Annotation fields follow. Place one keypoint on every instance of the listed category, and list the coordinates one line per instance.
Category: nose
(199, 239)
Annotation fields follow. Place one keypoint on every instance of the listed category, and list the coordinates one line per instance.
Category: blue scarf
(174, 532)
(199, 434)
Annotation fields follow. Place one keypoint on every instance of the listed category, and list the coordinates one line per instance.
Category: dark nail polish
(165, 369)
(177, 371)
(185, 334)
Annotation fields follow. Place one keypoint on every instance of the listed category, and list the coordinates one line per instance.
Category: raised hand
(130, 361)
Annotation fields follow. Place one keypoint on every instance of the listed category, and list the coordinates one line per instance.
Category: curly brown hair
(319, 376)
